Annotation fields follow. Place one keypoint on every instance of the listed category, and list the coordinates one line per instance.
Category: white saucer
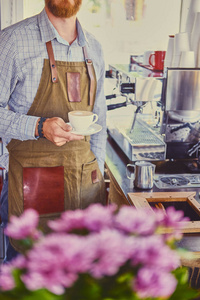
(94, 128)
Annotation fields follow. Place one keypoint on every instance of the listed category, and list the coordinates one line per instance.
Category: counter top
(116, 162)
(134, 70)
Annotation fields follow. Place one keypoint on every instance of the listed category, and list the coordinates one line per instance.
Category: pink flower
(172, 218)
(135, 221)
(151, 282)
(19, 262)
(55, 281)
(114, 239)
(69, 220)
(23, 226)
(7, 281)
(152, 251)
(55, 262)
(93, 218)
(98, 217)
(110, 253)
(6, 278)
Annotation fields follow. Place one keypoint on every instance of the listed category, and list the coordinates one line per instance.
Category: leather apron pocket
(92, 184)
(43, 189)
(73, 86)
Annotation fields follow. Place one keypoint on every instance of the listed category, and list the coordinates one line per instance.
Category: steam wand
(190, 152)
(181, 127)
(138, 110)
(118, 105)
(194, 149)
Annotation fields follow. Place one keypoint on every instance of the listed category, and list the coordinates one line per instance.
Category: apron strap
(91, 76)
(54, 73)
(89, 65)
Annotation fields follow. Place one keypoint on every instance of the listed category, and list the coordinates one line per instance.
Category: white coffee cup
(194, 7)
(181, 42)
(195, 37)
(198, 57)
(146, 57)
(176, 60)
(81, 120)
(187, 59)
(169, 52)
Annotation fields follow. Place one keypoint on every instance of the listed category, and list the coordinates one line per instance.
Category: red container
(156, 60)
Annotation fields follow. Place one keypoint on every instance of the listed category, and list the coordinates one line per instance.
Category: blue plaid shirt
(23, 50)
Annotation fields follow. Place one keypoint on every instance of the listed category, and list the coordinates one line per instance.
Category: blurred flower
(135, 221)
(93, 218)
(109, 253)
(96, 253)
(7, 281)
(154, 282)
(152, 251)
(172, 217)
(23, 226)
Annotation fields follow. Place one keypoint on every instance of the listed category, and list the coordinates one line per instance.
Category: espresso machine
(181, 129)
(175, 140)
(177, 135)
(128, 123)
(181, 120)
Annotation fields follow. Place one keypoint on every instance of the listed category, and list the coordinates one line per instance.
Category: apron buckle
(88, 61)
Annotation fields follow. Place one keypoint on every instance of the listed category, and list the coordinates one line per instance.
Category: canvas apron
(46, 177)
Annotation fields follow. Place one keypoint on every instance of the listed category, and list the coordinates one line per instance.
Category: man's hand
(58, 132)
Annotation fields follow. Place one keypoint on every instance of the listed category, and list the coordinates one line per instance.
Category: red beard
(64, 9)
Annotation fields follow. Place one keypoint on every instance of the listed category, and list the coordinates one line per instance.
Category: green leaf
(85, 288)
(183, 290)
(5, 297)
(41, 294)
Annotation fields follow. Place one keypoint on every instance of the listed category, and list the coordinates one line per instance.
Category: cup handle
(150, 62)
(95, 118)
(129, 165)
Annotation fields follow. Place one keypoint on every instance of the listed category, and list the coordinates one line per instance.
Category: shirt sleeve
(98, 141)
(13, 124)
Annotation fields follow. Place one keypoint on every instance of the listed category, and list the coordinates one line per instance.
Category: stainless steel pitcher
(143, 174)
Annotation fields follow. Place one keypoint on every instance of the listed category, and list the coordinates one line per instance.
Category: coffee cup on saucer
(81, 120)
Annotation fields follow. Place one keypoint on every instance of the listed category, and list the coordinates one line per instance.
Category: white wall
(11, 12)
(121, 38)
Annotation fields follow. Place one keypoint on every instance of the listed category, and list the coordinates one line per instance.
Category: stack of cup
(181, 43)
(193, 9)
(198, 56)
(187, 59)
(169, 52)
(195, 37)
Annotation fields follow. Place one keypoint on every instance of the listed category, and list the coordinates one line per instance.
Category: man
(50, 66)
